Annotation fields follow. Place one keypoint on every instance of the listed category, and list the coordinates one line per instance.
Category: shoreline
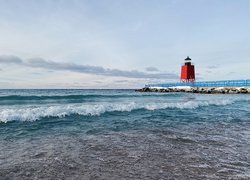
(199, 90)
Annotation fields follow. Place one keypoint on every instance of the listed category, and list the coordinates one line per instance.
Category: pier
(188, 83)
(225, 83)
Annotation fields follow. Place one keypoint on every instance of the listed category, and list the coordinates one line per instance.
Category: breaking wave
(39, 112)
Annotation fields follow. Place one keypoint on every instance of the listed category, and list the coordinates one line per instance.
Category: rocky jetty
(201, 90)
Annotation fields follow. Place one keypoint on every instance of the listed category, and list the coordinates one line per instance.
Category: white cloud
(152, 69)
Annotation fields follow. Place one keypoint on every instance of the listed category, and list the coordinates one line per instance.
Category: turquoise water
(122, 134)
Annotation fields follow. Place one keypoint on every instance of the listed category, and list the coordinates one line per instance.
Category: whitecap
(39, 112)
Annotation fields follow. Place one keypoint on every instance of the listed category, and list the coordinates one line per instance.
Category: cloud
(152, 69)
(212, 67)
(36, 73)
(231, 73)
(97, 70)
(10, 59)
(121, 81)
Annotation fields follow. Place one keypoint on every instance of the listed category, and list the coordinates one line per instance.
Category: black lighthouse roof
(188, 58)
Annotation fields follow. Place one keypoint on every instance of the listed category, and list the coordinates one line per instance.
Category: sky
(121, 43)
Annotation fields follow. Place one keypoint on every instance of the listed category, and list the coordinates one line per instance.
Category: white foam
(36, 113)
(187, 105)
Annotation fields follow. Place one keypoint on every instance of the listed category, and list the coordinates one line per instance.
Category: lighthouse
(187, 71)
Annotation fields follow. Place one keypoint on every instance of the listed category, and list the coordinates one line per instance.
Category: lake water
(122, 134)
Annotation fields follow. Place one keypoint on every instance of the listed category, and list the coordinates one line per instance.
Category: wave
(62, 97)
(36, 113)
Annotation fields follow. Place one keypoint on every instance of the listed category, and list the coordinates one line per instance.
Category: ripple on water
(134, 154)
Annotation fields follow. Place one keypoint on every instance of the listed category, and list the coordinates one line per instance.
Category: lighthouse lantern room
(187, 71)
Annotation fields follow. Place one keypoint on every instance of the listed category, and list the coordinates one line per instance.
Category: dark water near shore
(121, 134)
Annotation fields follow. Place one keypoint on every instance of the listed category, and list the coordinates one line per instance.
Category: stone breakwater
(201, 90)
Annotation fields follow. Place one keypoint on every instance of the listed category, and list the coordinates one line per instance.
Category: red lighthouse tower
(187, 71)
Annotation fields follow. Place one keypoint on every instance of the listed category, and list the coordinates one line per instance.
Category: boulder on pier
(201, 90)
